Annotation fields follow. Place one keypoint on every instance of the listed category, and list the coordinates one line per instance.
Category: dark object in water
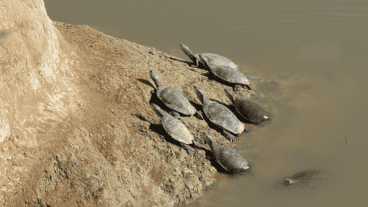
(247, 109)
(228, 158)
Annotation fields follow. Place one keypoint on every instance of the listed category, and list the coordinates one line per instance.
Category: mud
(113, 152)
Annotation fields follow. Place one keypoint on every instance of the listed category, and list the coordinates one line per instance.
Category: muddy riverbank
(114, 74)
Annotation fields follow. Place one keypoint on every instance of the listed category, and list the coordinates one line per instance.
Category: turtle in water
(173, 99)
(228, 158)
(221, 116)
(176, 129)
(247, 109)
(219, 66)
(303, 177)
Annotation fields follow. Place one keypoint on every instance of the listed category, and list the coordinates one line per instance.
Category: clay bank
(77, 127)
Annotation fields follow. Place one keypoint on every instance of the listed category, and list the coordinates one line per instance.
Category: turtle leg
(196, 60)
(229, 136)
(175, 114)
(210, 75)
(237, 87)
(194, 142)
(199, 115)
(195, 63)
(188, 148)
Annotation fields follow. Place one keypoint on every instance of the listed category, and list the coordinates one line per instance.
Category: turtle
(219, 66)
(248, 109)
(303, 177)
(228, 158)
(173, 99)
(176, 129)
(290, 180)
(221, 116)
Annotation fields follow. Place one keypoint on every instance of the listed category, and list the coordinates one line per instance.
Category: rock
(186, 170)
(176, 171)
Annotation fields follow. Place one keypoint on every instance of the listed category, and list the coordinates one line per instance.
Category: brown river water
(309, 59)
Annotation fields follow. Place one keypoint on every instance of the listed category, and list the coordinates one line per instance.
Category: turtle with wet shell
(248, 109)
(173, 99)
(176, 129)
(221, 116)
(228, 158)
(219, 66)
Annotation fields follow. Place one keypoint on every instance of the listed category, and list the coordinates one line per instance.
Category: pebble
(172, 179)
(186, 170)
(189, 185)
(176, 171)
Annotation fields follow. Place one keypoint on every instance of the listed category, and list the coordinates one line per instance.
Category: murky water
(310, 59)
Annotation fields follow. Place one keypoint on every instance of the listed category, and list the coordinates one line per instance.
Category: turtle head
(157, 109)
(187, 51)
(249, 87)
(200, 94)
(265, 115)
(290, 181)
(153, 74)
(246, 167)
(208, 139)
(154, 77)
(241, 163)
(229, 94)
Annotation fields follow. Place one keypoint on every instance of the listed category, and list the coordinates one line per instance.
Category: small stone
(186, 170)
(176, 171)
(189, 185)
(172, 180)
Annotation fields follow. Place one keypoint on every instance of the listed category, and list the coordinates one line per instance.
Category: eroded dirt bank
(109, 150)
(152, 168)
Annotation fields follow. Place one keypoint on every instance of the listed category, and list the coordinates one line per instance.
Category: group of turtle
(216, 113)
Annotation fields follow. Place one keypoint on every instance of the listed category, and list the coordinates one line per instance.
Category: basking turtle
(176, 129)
(173, 99)
(221, 116)
(219, 66)
(247, 109)
(228, 158)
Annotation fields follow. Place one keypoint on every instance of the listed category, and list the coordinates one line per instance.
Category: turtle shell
(230, 159)
(223, 117)
(218, 60)
(176, 129)
(175, 100)
(223, 71)
(250, 110)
